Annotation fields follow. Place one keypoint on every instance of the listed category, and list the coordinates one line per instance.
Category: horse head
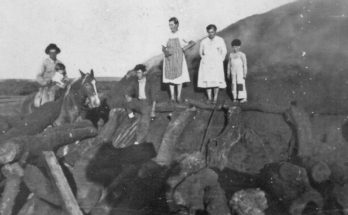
(88, 89)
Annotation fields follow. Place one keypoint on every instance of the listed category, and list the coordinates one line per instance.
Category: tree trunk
(36, 206)
(258, 107)
(13, 174)
(219, 147)
(56, 171)
(40, 186)
(301, 126)
(51, 139)
(35, 122)
(174, 130)
(75, 151)
(125, 133)
(88, 193)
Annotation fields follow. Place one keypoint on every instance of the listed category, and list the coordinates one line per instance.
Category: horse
(80, 96)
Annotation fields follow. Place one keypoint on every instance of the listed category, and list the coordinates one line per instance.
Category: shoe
(243, 101)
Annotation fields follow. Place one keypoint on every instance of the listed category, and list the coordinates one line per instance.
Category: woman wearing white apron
(237, 71)
(211, 70)
(175, 71)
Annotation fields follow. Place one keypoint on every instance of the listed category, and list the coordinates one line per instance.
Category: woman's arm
(39, 76)
(229, 67)
(201, 49)
(223, 49)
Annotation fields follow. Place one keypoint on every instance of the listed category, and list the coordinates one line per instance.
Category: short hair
(175, 20)
(236, 42)
(60, 66)
(211, 26)
(141, 67)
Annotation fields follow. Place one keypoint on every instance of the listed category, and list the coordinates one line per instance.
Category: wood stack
(78, 169)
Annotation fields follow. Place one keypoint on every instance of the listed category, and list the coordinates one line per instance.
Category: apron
(173, 68)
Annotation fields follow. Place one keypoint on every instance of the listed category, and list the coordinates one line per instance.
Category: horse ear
(92, 73)
(82, 73)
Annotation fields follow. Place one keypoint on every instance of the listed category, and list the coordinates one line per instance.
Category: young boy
(237, 70)
(60, 77)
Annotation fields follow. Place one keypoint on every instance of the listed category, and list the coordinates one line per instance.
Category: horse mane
(69, 86)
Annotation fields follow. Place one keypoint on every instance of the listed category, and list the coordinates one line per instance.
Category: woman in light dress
(237, 70)
(211, 70)
(48, 76)
(175, 71)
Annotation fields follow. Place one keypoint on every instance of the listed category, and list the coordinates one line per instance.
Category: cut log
(320, 172)
(289, 184)
(40, 186)
(125, 133)
(219, 147)
(13, 174)
(301, 126)
(340, 193)
(52, 139)
(4, 125)
(259, 107)
(88, 193)
(312, 196)
(164, 107)
(106, 132)
(36, 206)
(68, 198)
(174, 130)
(249, 202)
(196, 188)
(35, 122)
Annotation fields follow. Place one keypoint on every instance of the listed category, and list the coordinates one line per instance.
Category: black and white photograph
(173, 107)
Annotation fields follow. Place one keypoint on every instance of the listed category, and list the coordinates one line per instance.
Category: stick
(207, 128)
(62, 184)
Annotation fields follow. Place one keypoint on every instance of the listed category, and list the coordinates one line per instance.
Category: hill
(295, 52)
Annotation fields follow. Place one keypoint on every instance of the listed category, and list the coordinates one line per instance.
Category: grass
(22, 87)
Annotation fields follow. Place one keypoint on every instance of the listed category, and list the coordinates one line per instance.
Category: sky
(110, 36)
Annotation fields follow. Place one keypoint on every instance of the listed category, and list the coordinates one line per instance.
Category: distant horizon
(99, 78)
(109, 36)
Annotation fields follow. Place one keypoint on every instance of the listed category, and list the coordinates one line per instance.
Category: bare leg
(209, 94)
(172, 92)
(216, 94)
(179, 87)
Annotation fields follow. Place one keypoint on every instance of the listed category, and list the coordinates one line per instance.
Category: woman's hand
(165, 51)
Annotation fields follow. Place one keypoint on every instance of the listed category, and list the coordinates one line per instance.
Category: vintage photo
(174, 107)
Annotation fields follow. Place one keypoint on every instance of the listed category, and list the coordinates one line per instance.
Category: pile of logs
(80, 169)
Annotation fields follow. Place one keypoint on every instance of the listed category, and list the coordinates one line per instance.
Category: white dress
(211, 69)
(237, 66)
(184, 77)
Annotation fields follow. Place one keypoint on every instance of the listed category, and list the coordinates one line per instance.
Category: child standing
(237, 71)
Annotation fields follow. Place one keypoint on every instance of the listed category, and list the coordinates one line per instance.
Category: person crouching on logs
(211, 70)
(139, 94)
(175, 71)
(237, 71)
(48, 76)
